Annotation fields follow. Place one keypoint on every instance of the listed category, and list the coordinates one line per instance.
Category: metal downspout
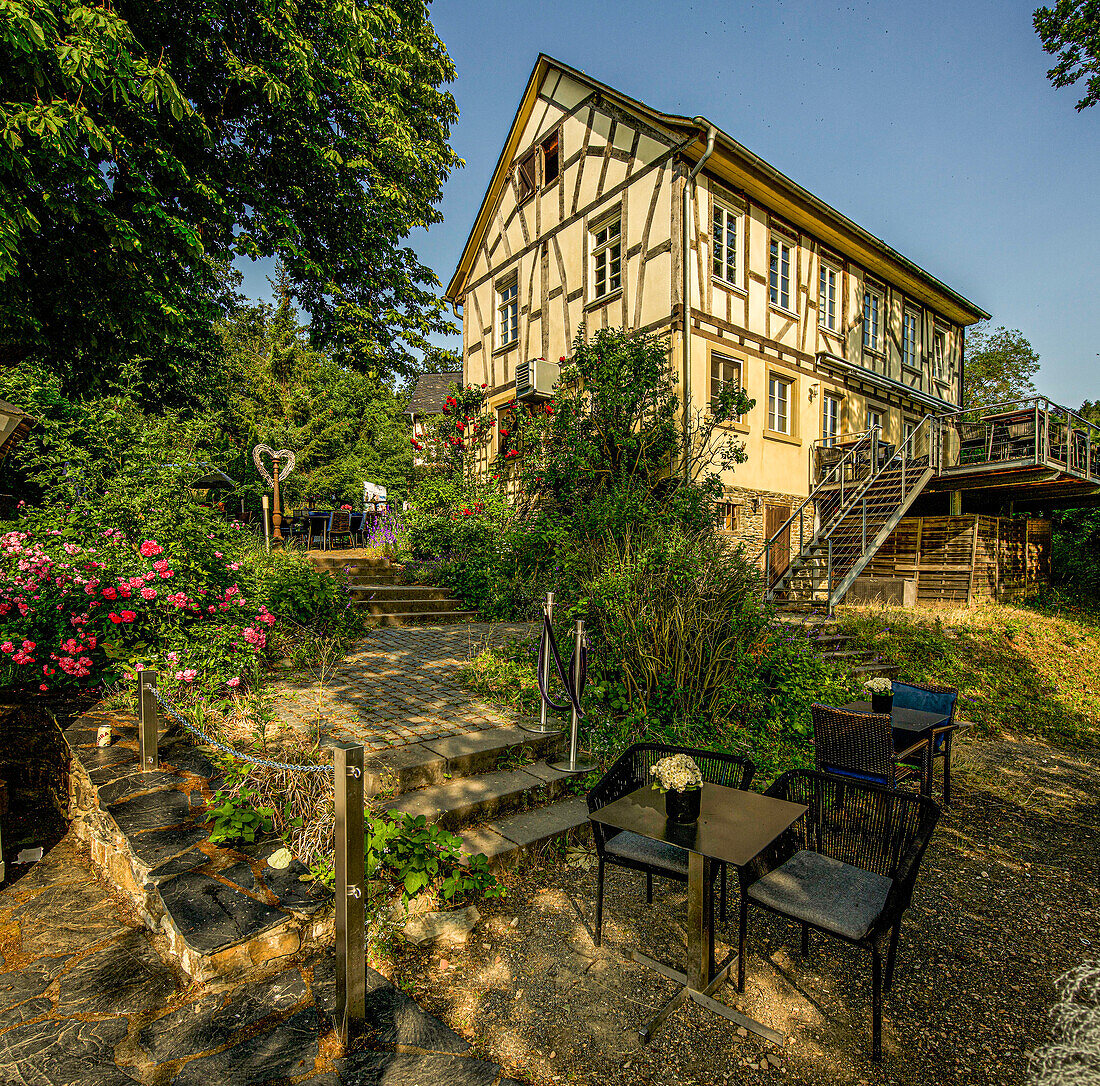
(685, 236)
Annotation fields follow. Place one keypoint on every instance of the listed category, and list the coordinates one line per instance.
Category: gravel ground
(1007, 900)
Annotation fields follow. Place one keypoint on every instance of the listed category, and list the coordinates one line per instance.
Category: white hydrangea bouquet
(676, 773)
(879, 687)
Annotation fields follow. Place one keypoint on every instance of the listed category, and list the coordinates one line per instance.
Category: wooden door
(780, 559)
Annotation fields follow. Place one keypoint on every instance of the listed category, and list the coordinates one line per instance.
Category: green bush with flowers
(82, 602)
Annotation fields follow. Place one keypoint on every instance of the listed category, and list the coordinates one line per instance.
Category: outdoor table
(907, 724)
(734, 827)
(318, 518)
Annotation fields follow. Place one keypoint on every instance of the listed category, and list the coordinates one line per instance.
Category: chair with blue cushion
(847, 868)
(622, 848)
(932, 698)
(861, 746)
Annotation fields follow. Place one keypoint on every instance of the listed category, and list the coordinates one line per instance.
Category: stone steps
(460, 784)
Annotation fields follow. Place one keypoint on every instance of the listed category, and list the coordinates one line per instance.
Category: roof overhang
(15, 424)
(741, 168)
(888, 384)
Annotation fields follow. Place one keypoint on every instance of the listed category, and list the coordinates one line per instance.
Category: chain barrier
(252, 759)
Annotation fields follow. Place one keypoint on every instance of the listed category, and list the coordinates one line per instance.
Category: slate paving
(399, 685)
(86, 1000)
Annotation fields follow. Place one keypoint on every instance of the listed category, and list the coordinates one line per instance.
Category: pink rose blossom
(29, 646)
(116, 619)
(148, 593)
(128, 616)
(186, 676)
(234, 682)
(110, 594)
(7, 646)
(151, 547)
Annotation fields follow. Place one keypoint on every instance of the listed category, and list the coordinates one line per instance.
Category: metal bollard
(351, 889)
(148, 719)
(574, 764)
(543, 728)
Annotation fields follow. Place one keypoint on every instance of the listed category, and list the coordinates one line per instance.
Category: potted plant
(681, 781)
(882, 694)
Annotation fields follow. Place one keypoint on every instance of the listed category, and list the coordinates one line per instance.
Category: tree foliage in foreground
(144, 145)
(1071, 32)
(999, 366)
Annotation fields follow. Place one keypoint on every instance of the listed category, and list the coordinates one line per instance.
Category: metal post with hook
(350, 863)
(574, 764)
(148, 719)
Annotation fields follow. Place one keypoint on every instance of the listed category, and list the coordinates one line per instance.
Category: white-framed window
(874, 418)
(828, 297)
(873, 304)
(508, 311)
(908, 428)
(939, 354)
(779, 272)
(779, 404)
(607, 261)
(830, 418)
(724, 371)
(729, 517)
(910, 338)
(725, 242)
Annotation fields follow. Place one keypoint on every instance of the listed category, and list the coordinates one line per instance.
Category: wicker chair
(339, 527)
(622, 848)
(861, 746)
(935, 699)
(846, 868)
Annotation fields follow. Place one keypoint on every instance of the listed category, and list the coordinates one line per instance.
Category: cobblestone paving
(399, 685)
(85, 1000)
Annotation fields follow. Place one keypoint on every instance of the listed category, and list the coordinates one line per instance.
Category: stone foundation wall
(222, 910)
(751, 527)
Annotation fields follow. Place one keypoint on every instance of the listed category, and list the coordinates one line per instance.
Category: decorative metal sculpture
(273, 478)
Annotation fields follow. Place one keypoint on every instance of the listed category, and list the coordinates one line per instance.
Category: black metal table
(910, 722)
(734, 827)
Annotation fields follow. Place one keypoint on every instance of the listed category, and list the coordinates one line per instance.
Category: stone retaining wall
(223, 910)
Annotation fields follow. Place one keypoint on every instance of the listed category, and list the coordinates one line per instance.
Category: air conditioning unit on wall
(536, 378)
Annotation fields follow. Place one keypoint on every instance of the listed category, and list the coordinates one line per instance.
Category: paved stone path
(399, 685)
(85, 1000)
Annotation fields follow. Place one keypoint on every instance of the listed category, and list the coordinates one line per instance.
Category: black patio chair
(932, 698)
(622, 848)
(846, 868)
(861, 746)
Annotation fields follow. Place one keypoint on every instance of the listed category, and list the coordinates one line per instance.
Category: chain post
(543, 727)
(574, 764)
(351, 889)
(148, 719)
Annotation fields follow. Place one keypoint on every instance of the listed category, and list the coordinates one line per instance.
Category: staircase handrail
(868, 436)
(843, 510)
(931, 422)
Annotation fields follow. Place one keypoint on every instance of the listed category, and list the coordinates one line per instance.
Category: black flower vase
(682, 807)
(882, 703)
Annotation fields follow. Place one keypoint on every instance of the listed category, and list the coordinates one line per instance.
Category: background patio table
(910, 722)
(733, 827)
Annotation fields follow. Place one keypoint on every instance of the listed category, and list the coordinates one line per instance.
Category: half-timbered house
(603, 212)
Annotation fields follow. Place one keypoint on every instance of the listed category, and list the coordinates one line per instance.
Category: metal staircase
(866, 488)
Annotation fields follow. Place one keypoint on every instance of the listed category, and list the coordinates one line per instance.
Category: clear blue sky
(931, 124)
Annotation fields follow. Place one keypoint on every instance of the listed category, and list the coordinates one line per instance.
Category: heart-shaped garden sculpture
(282, 454)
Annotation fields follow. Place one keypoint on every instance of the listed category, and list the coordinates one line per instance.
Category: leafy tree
(145, 145)
(613, 431)
(343, 425)
(1071, 31)
(999, 366)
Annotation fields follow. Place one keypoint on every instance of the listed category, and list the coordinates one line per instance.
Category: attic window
(550, 159)
(525, 175)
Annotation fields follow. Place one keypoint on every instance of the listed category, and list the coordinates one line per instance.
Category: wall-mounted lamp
(815, 388)
(756, 503)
